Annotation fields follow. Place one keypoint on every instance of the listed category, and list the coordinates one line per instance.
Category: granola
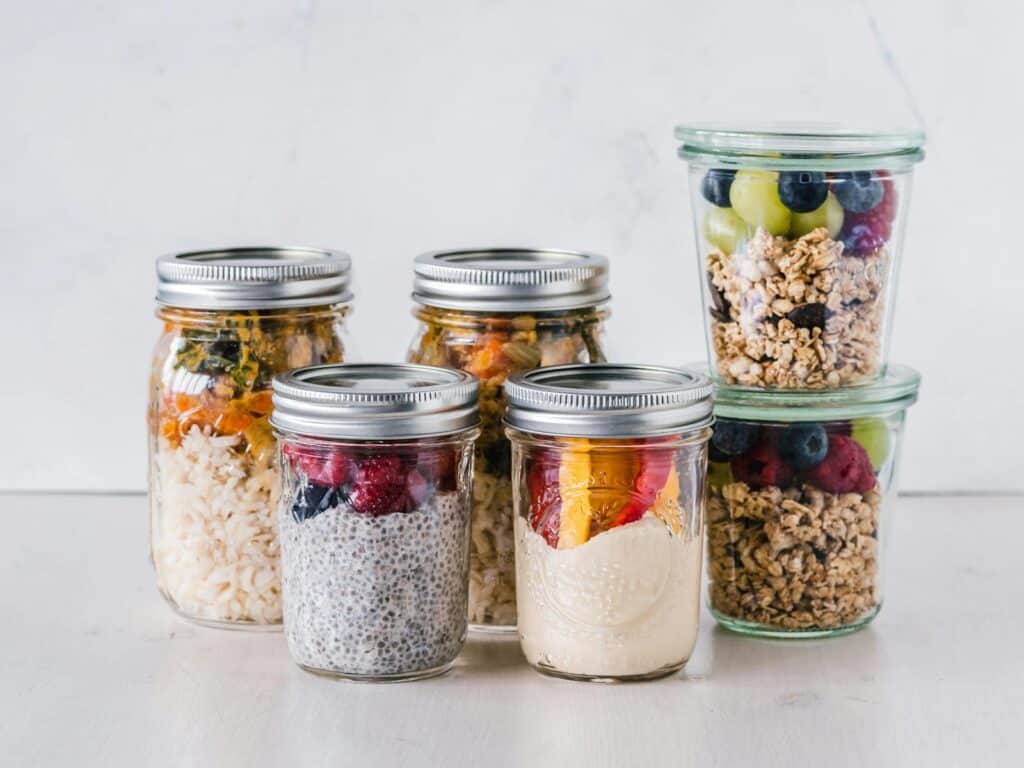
(798, 558)
(797, 313)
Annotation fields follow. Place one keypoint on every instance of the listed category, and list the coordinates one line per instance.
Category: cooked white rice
(215, 544)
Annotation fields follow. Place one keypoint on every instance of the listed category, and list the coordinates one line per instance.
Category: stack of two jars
(798, 236)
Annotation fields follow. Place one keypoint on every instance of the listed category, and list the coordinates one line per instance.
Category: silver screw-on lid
(253, 278)
(608, 400)
(510, 279)
(371, 401)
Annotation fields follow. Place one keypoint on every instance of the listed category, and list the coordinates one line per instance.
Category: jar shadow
(489, 655)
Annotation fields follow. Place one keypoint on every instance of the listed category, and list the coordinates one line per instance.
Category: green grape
(828, 214)
(755, 196)
(873, 435)
(719, 474)
(724, 229)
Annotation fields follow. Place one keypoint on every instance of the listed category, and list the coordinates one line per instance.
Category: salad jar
(798, 240)
(494, 313)
(232, 320)
(609, 470)
(374, 516)
(800, 492)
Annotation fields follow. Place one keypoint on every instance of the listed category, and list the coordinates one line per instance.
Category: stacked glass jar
(494, 313)
(232, 320)
(798, 238)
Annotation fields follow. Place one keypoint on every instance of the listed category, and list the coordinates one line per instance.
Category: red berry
(437, 465)
(865, 232)
(762, 465)
(378, 486)
(545, 497)
(845, 468)
(322, 467)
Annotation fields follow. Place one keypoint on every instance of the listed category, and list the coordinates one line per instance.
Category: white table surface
(96, 670)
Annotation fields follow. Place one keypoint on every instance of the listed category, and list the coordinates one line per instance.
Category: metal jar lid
(510, 280)
(253, 278)
(608, 400)
(375, 401)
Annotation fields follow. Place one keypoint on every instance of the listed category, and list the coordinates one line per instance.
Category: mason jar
(608, 477)
(232, 320)
(374, 516)
(799, 232)
(801, 490)
(493, 313)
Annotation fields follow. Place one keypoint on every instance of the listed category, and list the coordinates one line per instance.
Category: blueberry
(716, 185)
(311, 500)
(803, 446)
(858, 191)
(734, 438)
(808, 316)
(802, 191)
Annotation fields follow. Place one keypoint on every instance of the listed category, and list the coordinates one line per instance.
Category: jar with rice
(495, 312)
(232, 320)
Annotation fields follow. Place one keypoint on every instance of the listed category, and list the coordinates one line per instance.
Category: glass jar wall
(800, 492)
(374, 517)
(495, 313)
(214, 479)
(798, 237)
(608, 518)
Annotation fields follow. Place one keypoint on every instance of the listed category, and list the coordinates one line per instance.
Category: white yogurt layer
(626, 602)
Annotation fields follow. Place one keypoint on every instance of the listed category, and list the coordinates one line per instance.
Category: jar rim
(782, 146)
(895, 390)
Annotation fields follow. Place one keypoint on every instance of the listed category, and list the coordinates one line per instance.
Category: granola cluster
(797, 314)
(794, 559)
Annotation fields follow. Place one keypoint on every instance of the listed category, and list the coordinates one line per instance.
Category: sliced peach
(573, 486)
(666, 503)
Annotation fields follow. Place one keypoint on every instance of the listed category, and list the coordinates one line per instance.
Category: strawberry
(437, 465)
(327, 468)
(379, 485)
(545, 498)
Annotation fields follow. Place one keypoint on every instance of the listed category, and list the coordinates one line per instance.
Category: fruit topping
(762, 465)
(325, 467)
(378, 485)
(574, 488)
(437, 467)
(311, 500)
(715, 186)
(755, 197)
(845, 468)
(802, 446)
(865, 232)
(858, 191)
(733, 438)
(828, 215)
(654, 470)
(802, 191)
(545, 499)
(808, 316)
(666, 503)
(873, 436)
(724, 229)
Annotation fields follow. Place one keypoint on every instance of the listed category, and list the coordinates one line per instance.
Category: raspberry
(328, 468)
(865, 232)
(378, 486)
(437, 465)
(762, 466)
(845, 468)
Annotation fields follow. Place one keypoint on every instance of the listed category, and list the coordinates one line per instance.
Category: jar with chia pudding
(374, 517)
(801, 489)
(608, 477)
(232, 320)
(799, 231)
(493, 313)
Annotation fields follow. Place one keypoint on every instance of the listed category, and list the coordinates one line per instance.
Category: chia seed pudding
(377, 596)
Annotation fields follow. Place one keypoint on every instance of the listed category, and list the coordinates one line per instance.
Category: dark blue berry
(716, 185)
(311, 500)
(802, 191)
(808, 315)
(858, 191)
(734, 438)
(803, 446)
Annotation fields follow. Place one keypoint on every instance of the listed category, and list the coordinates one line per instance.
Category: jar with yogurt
(608, 477)
(374, 517)
(801, 488)
(232, 320)
(494, 313)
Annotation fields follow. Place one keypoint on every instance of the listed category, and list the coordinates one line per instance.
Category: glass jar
(608, 467)
(374, 517)
(798, 237)
(494, 313)
(232, 320)
(800, 490)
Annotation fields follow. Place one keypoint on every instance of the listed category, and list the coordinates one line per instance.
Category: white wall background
(389, 128)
